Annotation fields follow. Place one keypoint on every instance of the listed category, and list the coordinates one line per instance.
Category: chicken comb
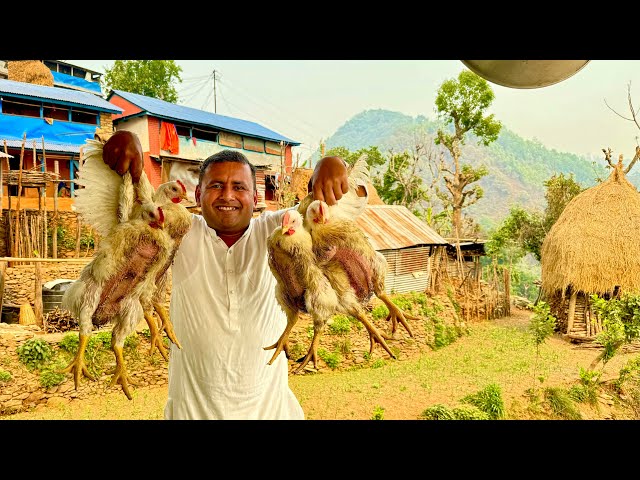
(160, 215)
(286, 217)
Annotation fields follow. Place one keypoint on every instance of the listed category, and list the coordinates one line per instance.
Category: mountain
(517, 167)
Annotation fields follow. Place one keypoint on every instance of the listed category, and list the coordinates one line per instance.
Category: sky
(309, 100)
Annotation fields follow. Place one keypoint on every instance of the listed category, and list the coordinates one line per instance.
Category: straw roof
(30, 71)
(594, 244)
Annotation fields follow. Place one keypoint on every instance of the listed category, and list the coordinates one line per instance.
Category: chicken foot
(167, 326)
(374, 335)
(156, 337)
(78, 366)
(120, 374)
(282, 343)
(312, 353)
(396, 315)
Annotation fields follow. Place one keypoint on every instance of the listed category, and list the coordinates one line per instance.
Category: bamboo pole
(37, 310)
(3, 269)
(17, 219)
(52, 260)
(572, 310)
(45, 243)
(8, 168)
(54, 226)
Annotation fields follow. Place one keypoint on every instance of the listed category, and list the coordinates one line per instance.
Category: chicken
(140, 230)
(339, 244)
(107, 200)
(177, 224)
(110, 287)
(303, 287)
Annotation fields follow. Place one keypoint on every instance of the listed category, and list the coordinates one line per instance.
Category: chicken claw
(120, 374)
(167, 326)
(78, 365)
(156, 337)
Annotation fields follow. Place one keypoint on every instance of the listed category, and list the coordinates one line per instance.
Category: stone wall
(24, 391)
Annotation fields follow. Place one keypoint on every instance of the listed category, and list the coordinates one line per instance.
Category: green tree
(374, 156)
(462, 103)
(151, 78)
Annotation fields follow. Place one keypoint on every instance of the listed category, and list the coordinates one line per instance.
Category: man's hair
(227, 156)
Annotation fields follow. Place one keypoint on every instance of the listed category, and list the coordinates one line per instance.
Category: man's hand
(329, 180)
(123, 153)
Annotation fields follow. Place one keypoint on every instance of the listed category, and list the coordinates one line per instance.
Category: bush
(489, 400)
(34, 353)
(438, 412)
(5, 376)
(70, 342)
(378, 413)
(51, 378)
(331, 359)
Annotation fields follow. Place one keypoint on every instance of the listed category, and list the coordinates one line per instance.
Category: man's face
(227, 197)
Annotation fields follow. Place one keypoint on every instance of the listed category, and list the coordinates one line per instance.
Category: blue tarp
(71, 81)
(13, 127)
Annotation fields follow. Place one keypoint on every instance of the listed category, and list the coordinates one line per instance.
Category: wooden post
(37, 310)
(3, 269)
(54, 226)
(15, 250)
(45, 243)
(572, 310)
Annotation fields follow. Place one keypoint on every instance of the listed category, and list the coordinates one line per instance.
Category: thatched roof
(30, 71)
(594, 244)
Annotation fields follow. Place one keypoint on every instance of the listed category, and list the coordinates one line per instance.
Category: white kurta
(224, 312)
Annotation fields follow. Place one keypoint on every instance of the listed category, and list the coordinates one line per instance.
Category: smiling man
(223, 304)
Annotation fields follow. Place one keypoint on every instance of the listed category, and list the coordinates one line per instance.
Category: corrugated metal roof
(73, 97)
(171, 111)
(390, 227)
(50, 147)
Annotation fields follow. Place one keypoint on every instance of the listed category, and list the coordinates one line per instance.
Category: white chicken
(135, 253)
(339, 244)
(303, 287)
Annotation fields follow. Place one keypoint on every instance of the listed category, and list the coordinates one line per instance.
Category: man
(223, 305)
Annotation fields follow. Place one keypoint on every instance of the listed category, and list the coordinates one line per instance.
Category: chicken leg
(78, 366)
(156, 336)
(167, 326)
(120, 374)
(282, 343)
(374, 335)
(396, 315)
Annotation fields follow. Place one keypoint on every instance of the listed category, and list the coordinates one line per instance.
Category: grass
(489, 354)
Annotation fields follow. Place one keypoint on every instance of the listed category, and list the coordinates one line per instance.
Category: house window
(78, 72)
(183, 131)
(57, 112)
(209, 135)
(80, 116)
(66, 69)
(53, 66)
(24, 108)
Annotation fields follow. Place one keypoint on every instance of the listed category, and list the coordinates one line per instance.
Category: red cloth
(169, 137)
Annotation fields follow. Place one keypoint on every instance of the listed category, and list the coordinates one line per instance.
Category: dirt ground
(353, 393)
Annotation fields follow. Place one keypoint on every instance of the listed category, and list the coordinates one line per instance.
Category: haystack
(593, 248)
(30, 71)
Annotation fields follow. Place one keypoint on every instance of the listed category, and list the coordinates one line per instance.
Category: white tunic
(224, 311)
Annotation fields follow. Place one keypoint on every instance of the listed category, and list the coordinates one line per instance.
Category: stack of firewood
(59, 320)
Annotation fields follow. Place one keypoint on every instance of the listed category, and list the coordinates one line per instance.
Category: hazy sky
(308, 100)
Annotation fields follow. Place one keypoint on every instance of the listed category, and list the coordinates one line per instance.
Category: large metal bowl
(525, 73)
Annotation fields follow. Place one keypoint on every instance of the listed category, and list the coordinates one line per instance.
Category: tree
(462, 103)
(151, 78)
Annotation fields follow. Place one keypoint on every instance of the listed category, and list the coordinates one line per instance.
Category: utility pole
(215, 109)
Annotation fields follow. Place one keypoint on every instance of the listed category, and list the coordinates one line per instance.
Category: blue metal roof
(193, 116)
(71, 97)
(69, 81)
(50, 147)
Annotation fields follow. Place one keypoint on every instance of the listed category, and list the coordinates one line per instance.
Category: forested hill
(517, 167)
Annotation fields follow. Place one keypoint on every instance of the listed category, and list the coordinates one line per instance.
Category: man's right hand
(123, 153)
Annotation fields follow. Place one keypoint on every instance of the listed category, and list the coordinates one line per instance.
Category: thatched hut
(593, 248)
